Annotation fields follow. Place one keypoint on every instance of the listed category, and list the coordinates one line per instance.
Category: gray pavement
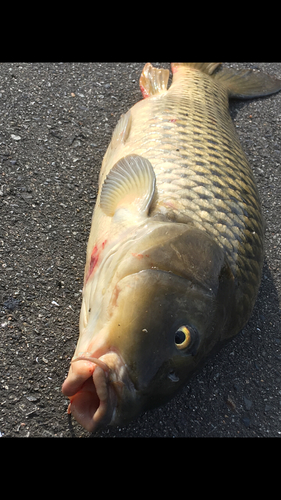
(56, 121)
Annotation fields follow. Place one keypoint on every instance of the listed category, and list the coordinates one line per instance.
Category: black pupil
(179, 337)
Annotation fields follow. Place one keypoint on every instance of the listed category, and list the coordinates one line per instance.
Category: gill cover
(183, 250)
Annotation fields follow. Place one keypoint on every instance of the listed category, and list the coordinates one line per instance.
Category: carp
(175, 251)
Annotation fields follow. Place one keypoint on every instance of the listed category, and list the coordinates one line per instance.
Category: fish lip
(94, 404)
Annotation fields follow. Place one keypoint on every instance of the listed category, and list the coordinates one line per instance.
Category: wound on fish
(95, 257)
(144, 92)
(139, 255)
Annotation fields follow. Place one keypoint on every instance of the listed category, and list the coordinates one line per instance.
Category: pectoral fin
(130, 184)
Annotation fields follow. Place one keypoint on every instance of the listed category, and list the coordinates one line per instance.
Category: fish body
(175, 252)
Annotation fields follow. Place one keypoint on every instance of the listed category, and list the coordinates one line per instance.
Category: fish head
(169, 306)
(171, 312)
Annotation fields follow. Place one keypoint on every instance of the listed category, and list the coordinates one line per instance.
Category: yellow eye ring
(182, 337)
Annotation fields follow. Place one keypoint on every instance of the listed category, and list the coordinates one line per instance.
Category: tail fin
(240, 84)
(247, 83)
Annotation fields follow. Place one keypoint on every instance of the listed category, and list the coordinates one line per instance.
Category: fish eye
(187, 337)
(182, 337)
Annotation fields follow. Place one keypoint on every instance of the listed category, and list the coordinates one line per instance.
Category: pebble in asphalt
(56, 122)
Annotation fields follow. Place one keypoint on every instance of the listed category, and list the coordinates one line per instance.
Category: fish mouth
(92, 386)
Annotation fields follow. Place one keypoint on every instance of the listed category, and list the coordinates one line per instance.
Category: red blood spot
(137, 255)
(95, 257)
(115, 296)
(173, 120)
(175, 67)
(144, 92)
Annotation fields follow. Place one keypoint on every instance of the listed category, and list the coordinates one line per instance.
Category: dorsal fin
(130, 184)
(153, 81)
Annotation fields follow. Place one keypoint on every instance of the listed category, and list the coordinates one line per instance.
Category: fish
(175, 251)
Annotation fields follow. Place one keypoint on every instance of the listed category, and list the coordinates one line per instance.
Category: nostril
(172, 376)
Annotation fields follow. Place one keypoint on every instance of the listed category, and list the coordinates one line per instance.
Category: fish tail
(240, 84)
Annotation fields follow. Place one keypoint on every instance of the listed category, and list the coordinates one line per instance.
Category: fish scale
(201, 170)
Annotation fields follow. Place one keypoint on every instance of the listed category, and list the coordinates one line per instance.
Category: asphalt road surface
(56, 122)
